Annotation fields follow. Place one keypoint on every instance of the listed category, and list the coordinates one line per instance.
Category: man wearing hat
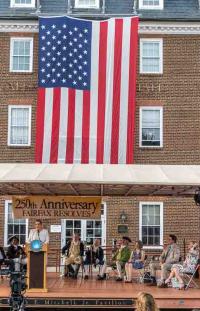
(122, 256)
(16, 253)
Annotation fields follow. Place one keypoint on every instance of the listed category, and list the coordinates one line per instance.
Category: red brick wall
(176, 90)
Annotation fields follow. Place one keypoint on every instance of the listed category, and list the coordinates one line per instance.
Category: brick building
(167, 111)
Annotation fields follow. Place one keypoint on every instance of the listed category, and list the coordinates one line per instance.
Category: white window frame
(10, 107)
(7, 202)
(156, 40)
(161, 223)
(85, 6)
(161, 125)
(151, 7)
(83, 227)
(12, 40)
(13, 4)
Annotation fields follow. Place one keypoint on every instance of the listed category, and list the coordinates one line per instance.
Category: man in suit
(73, 252)
(39, 233)
(122, 256)
(169, 256)
(16, 254)
(2, 256)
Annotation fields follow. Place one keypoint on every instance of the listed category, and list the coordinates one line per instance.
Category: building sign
(56, 207)
(55, 228)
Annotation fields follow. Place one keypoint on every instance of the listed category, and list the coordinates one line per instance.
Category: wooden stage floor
(69, 293)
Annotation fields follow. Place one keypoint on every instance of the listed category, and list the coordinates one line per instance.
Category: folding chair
(144, 273)
(190, 277)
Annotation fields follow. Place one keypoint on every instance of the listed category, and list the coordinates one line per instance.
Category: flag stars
(58, 75)
(80, 35)
(86, 41)
(59, 31)
(70, 33)
(53, 48)
(53, 70)
(58, 53)
(43, 37)
(75, 29)
(64, 48)
(75, 61)
(63, 80)
(70, 43)
(53, 26)
(58, 64)
(43, 48)
(80, 46)
(85, 30)
(48, 75)
(70, 65)
(53, 81)
(53, 59)
(43, 81)
(43, 27)
(48, 32)
(64, 37)
(48, 64)
(70, 76)
(75, 39)
(74, 82)
(64, 59)
(64, 26)
(63, 70)
(54, 37)
(42, 70)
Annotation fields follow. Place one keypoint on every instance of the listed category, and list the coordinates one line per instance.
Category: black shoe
(86, 277)
(119, 279)
(101, 277)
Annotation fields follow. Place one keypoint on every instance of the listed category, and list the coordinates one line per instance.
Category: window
(13, 226)
(87, 4)
(19, 126)
(151, 4)
(151, 127)
(151, 224)
(21, 54)
(151, 56)
(22, 3)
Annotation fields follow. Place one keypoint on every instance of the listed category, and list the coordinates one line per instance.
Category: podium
(36, 269)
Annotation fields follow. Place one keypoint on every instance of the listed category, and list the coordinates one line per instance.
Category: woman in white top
(39, 233)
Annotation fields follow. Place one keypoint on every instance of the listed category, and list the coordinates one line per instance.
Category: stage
(77, 294)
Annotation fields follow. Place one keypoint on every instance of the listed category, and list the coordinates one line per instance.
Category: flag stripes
(94, 125)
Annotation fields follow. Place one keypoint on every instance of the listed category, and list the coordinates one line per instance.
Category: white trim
(151, 7)
(86, 6)
(145, 27)
(141, 203)
(28, 39)
(160, 42)
(13, 4)
(83, 227)
(161, 125)
(10, 107)
(7, 202)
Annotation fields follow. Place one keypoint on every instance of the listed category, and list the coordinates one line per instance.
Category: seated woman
(136, 261)
(94, 256)
(188, 265)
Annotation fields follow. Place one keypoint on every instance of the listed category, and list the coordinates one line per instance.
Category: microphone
(38, 232)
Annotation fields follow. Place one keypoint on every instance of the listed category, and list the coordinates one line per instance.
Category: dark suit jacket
(13, 252)
(3, 253)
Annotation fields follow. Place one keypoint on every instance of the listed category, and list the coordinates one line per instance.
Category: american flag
(87, 86)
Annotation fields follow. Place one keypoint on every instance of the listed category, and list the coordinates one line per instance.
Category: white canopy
(95, 179)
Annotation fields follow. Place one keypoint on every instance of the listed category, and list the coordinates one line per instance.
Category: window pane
(69, 223)
(19, 132)
(16, 226)
(151, 224)
(150, 118)
(151, 2)
(151, 49)
(21, 55)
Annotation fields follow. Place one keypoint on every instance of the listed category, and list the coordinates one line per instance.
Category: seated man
(15, 253)
(2, 256)
(122, 256)
(94, 256)
(169, 256)
(74, 251)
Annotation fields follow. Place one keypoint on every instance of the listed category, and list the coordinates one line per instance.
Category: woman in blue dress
(136, 261)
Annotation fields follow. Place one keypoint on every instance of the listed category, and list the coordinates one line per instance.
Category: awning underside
(102, 180)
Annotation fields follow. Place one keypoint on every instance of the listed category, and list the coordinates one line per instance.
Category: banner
(56, 207)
